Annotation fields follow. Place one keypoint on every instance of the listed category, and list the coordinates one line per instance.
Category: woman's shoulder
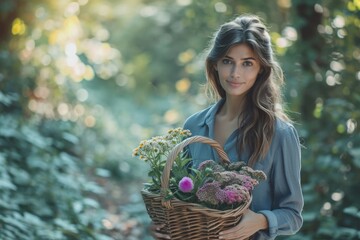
(197, 119)
(285, 130)
(283, 125)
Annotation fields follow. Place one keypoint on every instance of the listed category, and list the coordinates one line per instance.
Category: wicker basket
(185, 220)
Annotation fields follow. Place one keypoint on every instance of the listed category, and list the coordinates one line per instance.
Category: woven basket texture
(185, 220)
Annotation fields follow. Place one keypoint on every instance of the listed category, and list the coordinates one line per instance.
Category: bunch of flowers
(155, 151)
(212, 184)
(220, 186)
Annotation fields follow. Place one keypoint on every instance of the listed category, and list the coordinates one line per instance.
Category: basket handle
(177, 149)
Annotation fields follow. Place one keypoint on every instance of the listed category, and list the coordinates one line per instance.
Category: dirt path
(126, 218)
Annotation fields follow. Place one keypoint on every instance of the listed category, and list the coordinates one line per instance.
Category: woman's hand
(250, 223)
(155, 231)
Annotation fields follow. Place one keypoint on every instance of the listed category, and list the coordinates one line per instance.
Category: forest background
(83, 81)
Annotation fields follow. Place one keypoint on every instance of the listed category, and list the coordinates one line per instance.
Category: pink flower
(186, 184)
(231, 196)
(236, 194)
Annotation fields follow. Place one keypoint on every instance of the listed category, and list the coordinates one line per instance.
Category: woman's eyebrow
(246, 58)
(249, 58)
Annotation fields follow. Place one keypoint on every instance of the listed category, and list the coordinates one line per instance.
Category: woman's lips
(235, 84)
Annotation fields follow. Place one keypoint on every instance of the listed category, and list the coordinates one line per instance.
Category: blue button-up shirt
(279, 197)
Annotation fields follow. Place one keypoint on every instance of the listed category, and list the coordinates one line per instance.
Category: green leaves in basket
(187, 197)
(147, 186)
(168, 195)
(154, 151)
(179, 168)
(198, 178)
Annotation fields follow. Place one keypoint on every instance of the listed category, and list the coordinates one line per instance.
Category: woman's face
(238, 70)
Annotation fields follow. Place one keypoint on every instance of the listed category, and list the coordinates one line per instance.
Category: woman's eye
(226, 61)
(247, 63)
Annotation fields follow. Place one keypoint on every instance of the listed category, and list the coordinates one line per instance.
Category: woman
(249, 123)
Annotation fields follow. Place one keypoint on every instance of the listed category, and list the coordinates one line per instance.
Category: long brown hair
(263, 102)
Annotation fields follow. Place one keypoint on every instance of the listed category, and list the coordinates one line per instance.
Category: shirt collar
(210, 115)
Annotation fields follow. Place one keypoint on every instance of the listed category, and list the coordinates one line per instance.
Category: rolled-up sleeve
(285, 216)
(279, 198)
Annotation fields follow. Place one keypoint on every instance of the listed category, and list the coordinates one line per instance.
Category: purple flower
(221, 196)
(229, 177)
(225, 177)
(186, 184)
(209, 193)
(249, 182)
(236, 166)
(212, 165)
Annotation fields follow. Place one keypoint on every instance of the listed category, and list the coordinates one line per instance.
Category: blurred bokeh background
(83, 81)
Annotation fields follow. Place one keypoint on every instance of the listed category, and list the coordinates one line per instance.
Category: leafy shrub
(43, 187)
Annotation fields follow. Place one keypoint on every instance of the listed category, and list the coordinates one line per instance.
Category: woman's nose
(236, 71)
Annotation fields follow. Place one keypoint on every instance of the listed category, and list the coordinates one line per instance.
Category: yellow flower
(135, 152)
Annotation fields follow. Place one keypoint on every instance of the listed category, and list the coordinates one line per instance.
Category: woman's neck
(232, 107)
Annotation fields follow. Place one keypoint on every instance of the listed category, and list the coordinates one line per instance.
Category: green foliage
(155, 152)
(139, 65)
(328, 95)
(43, 189)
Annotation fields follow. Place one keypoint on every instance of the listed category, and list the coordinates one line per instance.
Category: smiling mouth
(235, 83)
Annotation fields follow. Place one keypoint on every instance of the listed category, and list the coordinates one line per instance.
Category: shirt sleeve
(285, 217)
